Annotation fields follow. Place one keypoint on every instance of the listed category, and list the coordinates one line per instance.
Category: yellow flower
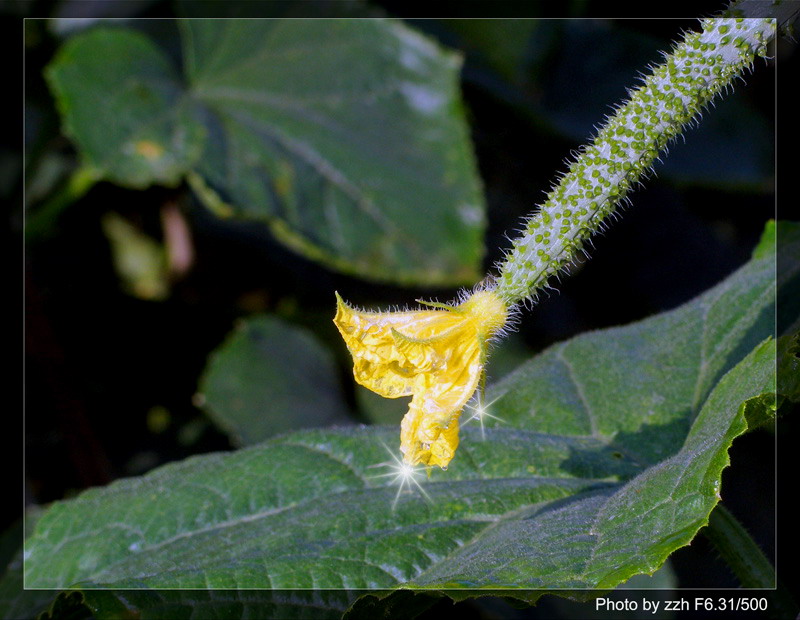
(436, 356)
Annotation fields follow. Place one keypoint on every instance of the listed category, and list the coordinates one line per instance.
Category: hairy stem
(746, 560)
(739, 550)
(701, 66)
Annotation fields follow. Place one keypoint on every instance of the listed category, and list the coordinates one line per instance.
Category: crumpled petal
(378, 363)
(436, 356)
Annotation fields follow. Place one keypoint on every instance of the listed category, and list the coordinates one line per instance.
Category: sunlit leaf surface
(608, 458)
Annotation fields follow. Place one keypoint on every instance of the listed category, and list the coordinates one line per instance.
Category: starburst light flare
(402, 474)
(480, 411)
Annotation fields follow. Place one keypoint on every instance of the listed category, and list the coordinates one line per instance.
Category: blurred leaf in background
(123, 104)
(269, 377)
(346, 136)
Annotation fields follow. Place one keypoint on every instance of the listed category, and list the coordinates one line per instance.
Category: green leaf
(599, 538)
(178, 604)
(789, 367)
(269, 377)
(123, 104)
(661, 587)
(787, 246)
(640, 387)
(767, 242)
(347, 137)
(786, 239)
(610, 458)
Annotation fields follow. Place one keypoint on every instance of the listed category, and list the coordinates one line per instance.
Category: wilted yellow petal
(436, 356)
(378, 364)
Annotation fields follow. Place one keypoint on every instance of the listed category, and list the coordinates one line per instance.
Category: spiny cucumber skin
(602, 174)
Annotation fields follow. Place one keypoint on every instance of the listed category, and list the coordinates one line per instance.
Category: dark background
(99, 363)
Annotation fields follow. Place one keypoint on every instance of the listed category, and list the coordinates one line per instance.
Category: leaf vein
(328, 171)
(579, 391)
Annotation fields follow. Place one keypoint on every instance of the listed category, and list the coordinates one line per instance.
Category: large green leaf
(315, 604)
(346, 136)
(610, 458)
(230, 604)
(269, 377)
(123, 104)
(640, 387)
